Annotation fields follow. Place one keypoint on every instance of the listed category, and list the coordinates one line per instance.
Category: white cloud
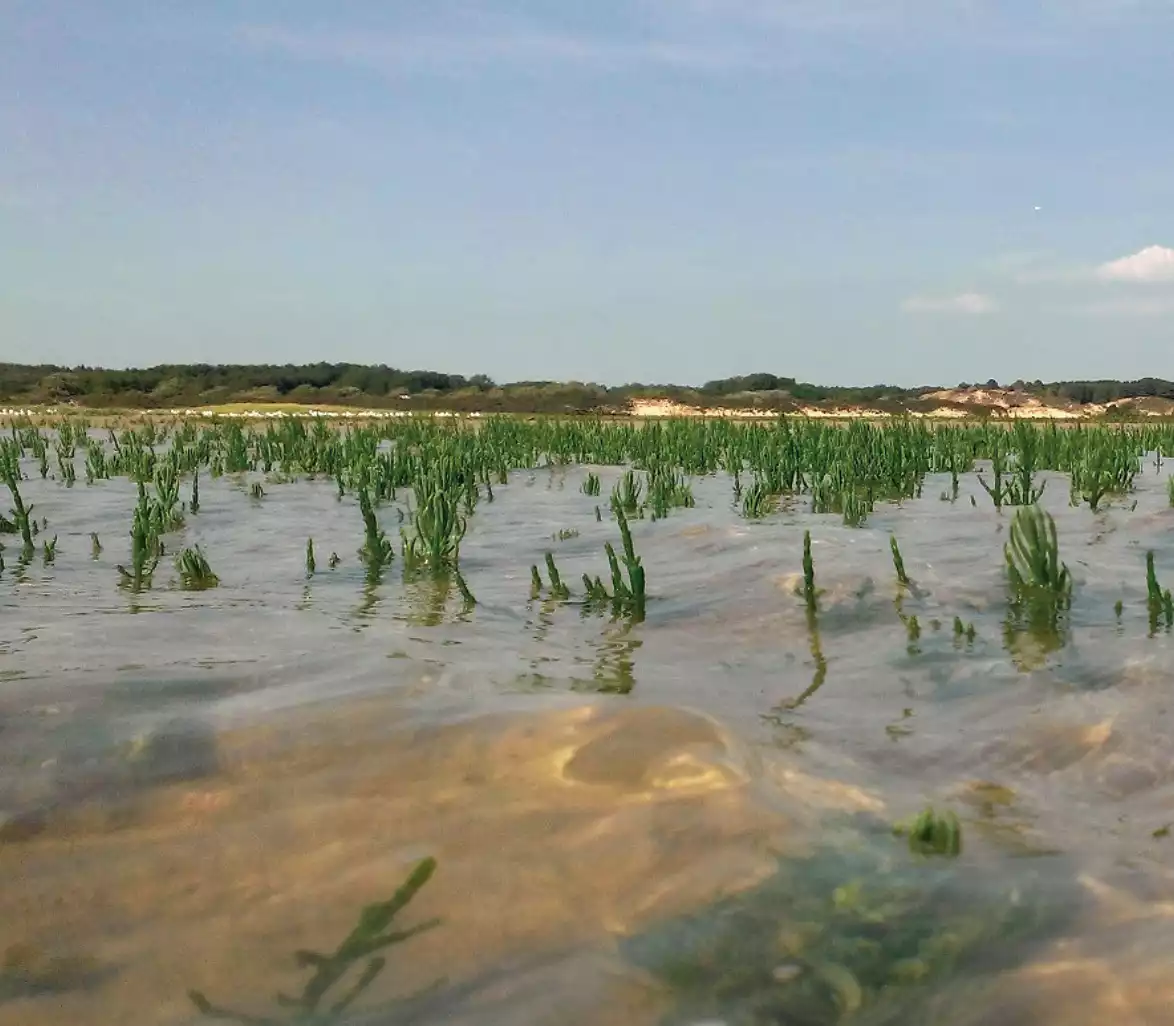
(1154, 263)
(972, 303)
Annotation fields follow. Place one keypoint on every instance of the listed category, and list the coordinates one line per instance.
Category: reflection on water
(614, 671)
(679, 820)
(817, 657)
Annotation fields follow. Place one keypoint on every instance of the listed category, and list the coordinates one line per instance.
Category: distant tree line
(176, 384)
(1105, 391)
(806, 392)
(183, 385)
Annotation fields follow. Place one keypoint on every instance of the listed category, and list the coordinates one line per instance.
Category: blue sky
(843, 191)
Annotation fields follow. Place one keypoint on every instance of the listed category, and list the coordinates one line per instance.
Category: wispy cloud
(697, 36)
(1054, 274)
(1124, 306)
(859, 15)
(814, 15)
(1154, 263)
(1035, 26)
(392, 53)
(1019, 263)
(13, 200)
(970, 303)
(25, 200)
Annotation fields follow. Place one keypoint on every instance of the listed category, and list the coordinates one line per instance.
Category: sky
(841, 191)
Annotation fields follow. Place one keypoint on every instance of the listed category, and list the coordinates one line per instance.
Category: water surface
(683, 820)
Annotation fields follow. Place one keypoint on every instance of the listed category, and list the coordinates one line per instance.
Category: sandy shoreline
(952, 405)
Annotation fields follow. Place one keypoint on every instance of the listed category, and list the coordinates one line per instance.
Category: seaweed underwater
(369, 936)
(870, 932)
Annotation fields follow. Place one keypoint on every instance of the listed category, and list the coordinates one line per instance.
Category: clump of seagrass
(963, 633)
(1159, 603)
(667, 489)
(558, 590)
(311, 565)
(810, 596)
(855, 506)
(377, 551)
(373, 933)
(898, 563)
(1040, 589)
(1040, 583)
(145, 545)
(757, 501)
(931, 834)
(627, 493)
(591, 484)
(627, 597)
(195, 574)
(439, 527)
(167, 503)
(1012, 484)
(1023, 491)
(10, 473)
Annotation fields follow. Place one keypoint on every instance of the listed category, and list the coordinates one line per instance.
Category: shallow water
(193, 786)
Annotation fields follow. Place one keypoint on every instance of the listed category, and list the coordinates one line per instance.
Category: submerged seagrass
(862, 931)
(369, 936)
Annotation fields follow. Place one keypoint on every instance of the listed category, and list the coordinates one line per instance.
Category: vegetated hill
(172, 386)
(1050, 403)
(1011, 401)
(206, 384)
